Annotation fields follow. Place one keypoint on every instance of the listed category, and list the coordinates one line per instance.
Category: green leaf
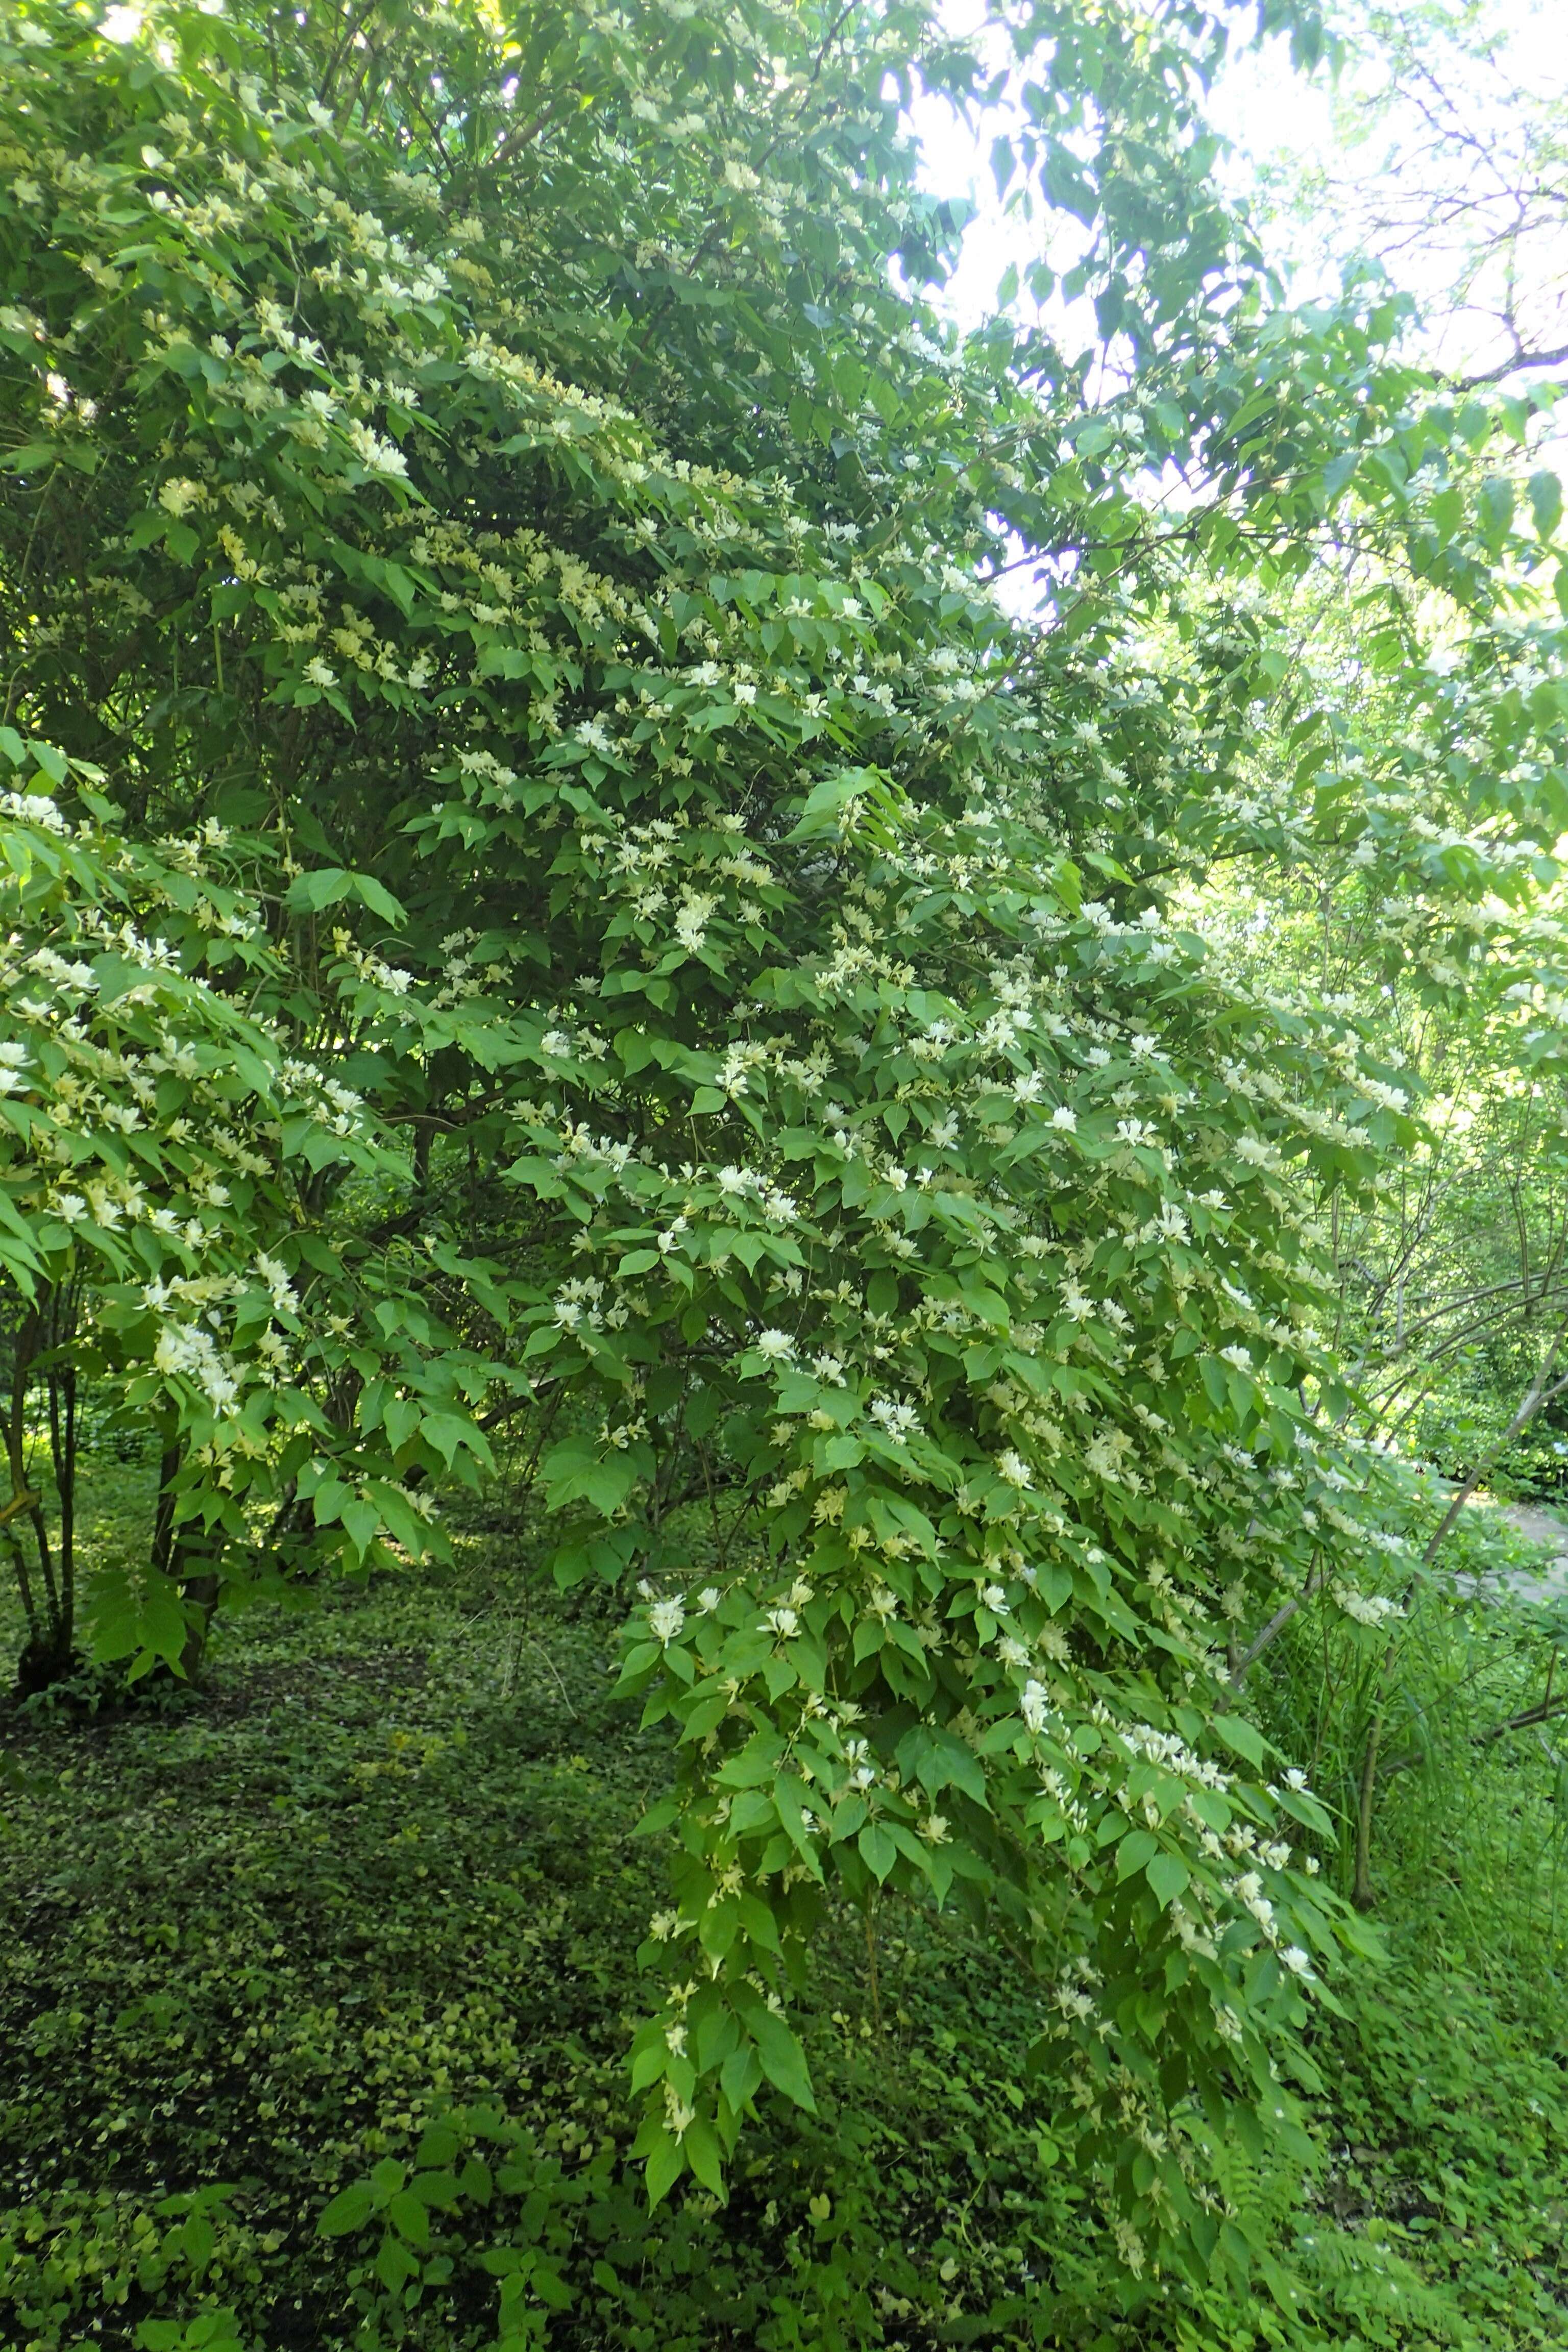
(393, 2264)
(827, 801)
(1546, 502)
(409, 2218)
(1137, 1848)
(53, 762)
(328, 886)
(741, 2075)
(782, 2059)
(666, 2163)
(702, 2155)
(1167, 1874)
(198, 2241)
(1495, 507)
(1243, 1738)
(877, 1849)
(350, 2209)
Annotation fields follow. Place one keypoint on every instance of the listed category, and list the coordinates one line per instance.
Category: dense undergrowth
(365, 1908)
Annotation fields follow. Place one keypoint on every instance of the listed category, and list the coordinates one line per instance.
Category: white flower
(897, 1420)
(1296, 1959)
(320, 673)
(375, 455)
(777, 1347)
(1012, 1467)
(784, 1623)
(1064, 1119)
(1034, 1705)
(1237, 1356)
(1367, 1608)
(275, 1274)
(664, 1620)
(707, 1599)
(180, 494)
(70, 1206)
(692, 920)
(188, 1350)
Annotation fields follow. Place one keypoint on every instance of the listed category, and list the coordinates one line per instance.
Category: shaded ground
(1546, 1581)
(382, 1865)
(386, 1863)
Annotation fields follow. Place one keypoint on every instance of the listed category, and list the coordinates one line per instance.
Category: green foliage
(831, 1152)
(386, 1894)
(163, 1147)
(527, 574)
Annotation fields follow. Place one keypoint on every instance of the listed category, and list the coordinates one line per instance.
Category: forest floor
(379, 1880)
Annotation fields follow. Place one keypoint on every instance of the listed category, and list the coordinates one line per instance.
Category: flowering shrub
(160, 1141)
(612, 922)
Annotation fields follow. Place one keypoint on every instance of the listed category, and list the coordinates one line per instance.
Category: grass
(371, 1897)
